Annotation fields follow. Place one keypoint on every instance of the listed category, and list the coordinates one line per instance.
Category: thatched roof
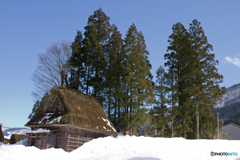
(74, 108)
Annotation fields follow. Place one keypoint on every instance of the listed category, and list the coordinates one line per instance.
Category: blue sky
(28, 27)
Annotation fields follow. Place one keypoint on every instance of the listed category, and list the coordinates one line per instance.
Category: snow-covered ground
(130, 148)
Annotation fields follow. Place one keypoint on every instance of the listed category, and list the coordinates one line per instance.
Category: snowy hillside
(7, 131)
(232, 95)
(131, 148)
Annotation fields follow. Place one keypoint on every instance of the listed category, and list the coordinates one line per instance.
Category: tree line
(117, 71)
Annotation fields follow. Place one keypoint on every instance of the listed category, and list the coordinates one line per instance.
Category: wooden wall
(66, 137)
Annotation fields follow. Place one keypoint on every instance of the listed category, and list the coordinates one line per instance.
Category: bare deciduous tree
(52, 68)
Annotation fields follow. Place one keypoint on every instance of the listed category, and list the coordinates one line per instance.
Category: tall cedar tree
(179, 61)
(77, 62)
(160, 110)
(137, 80)
(205, 79)
(103, 28)
(113, 76)
(171, 87)
(91, 70)
(94, 60)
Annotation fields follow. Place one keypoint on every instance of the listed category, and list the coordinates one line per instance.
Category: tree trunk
(62, 78)
(87, 81)
(66, 81)
(118, 123)
(109, 104)
(115, 111)
(197, 121)
(172, 104)
(95, 87)
(213, 127)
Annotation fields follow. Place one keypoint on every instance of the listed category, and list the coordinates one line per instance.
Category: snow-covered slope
(7, 131)
(130, 148)
(232, 95)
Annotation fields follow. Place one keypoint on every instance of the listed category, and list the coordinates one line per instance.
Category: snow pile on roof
(47, 118)
(109, 124)
(39, 130)
(55, 120)
(129, 148)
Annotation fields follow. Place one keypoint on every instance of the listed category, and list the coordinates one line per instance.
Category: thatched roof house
(72, 112)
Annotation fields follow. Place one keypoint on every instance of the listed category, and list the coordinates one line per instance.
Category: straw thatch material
(68, 106)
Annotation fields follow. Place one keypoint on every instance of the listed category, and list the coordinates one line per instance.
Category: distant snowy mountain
(232, 96)
(7, 131)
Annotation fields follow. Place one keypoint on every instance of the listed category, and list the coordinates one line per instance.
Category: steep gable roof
(232, 131)
(68, 106)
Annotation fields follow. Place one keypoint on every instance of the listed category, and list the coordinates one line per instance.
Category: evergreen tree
(77, 63)
(102, 25)
(138, 84)
(103, 32)
(94, 60)
(160, 110)
(113, 75)
(172, 99)
(196, 82)
(204, 74)
(179, 61)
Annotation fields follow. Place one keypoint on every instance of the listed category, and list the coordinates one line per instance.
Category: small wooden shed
(72, 117)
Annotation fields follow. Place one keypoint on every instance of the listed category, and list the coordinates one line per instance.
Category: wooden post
(41, 141)
(68, 142)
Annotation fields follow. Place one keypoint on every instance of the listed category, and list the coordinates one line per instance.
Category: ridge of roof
(73, 90)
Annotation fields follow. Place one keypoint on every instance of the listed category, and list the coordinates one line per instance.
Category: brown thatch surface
(79, 110)
(16, 138)
(1, 134)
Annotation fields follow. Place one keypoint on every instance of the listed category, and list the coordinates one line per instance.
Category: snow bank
(129, 148)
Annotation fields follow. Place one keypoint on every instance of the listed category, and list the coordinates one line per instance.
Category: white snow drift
(130, 148)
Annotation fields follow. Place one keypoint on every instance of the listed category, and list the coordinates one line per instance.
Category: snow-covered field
(129, 148)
